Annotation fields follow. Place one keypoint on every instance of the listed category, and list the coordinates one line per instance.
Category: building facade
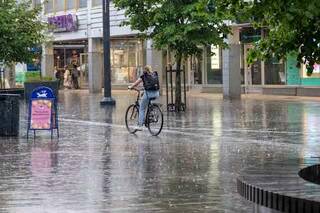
(77, 38)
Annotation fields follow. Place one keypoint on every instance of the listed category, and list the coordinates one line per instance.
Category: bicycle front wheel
(154, 120)
(132, 117)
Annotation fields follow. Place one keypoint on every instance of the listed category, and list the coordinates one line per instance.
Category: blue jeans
(144, 102)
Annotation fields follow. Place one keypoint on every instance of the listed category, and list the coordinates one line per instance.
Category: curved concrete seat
(278, 186)
(311, 173)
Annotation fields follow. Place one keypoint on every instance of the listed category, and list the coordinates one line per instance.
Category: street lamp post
(107, 99)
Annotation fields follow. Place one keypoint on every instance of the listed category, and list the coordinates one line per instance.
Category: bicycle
(153, 118)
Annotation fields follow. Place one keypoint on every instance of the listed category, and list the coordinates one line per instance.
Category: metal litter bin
(9, 114)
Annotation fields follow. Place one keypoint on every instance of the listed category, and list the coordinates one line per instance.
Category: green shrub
(35, 76)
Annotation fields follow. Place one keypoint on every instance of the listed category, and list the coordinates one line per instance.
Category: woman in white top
(67, 83)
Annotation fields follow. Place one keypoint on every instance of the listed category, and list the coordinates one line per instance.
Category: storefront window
(126, 57)
(70, 4)
(214, 68)
(96, 3)
(255, 71)
(49, 6)
(59, 6)
(82, 3)
(274, 72)
(315, 72)
(251, 73)
(67, 56)
(62, 5)
(196, 69)
(36, 3)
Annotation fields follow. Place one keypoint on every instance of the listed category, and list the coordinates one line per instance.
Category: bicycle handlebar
(135, 89)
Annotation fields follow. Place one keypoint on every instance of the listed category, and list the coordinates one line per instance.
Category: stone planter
(30, 86)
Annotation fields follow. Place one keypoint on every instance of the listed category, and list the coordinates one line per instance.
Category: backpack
(151, 81)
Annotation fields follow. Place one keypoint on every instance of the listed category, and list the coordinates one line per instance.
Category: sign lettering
(64, 23)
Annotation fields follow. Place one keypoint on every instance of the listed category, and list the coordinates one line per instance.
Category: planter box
(30, 86)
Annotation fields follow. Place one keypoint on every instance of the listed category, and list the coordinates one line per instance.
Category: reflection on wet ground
(96, 166)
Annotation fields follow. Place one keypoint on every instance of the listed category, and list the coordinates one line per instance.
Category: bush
(36, 77)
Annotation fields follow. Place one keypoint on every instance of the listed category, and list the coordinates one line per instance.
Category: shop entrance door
(196, 71)
(84, 77)
(252, 74)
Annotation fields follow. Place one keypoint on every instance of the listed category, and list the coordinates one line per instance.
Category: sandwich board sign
(43, 114)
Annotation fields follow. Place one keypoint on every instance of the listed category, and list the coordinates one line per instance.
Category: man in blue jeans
(150, 82)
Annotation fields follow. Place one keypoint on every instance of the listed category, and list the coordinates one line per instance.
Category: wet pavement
(96, 166)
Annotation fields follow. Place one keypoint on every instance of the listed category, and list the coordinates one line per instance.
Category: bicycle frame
(153, 115)
(146, 119)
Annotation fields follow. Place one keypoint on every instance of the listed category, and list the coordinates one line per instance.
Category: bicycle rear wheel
(132, 116)
(154, 120)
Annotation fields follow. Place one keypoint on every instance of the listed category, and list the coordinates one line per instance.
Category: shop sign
(64, 23)
(42, 110)
(250, 35)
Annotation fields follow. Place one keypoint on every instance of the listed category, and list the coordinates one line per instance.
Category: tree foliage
(293, 25)
(182, 26)
(20, 30)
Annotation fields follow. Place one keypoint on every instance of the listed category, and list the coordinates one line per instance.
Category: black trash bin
(9, 114)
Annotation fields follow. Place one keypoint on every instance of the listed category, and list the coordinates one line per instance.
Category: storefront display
(274, 72)
(214, 68)
(68, 54)
(315, 72)
(126, 57)
(298, 76)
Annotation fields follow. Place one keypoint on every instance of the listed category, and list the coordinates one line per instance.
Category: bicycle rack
(171, 106)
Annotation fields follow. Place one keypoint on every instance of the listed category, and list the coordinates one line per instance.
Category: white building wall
(91, 26)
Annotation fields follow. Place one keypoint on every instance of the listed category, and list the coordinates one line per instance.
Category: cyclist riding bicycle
(150, 82)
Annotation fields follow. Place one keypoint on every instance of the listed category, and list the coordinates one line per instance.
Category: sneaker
(138, 128)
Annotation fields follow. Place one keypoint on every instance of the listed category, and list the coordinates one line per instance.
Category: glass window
(255, 70)
(36, 2)
(49, 6)
(274, 72)
(59, 5)
(196, 69)
(315, 72)
(82, 3)
(96, 2)
(252, 72)
(125, 58)
(214, 68)
(71, 4)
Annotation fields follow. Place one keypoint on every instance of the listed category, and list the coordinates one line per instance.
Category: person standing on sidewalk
(75, 76)
(58, 76)
(67, 82)
(151, 86)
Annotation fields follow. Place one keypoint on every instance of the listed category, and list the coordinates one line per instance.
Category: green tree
(20, 30)
(182, 26)
(293, 26)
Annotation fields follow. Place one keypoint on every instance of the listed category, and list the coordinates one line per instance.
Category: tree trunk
(178, 83)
